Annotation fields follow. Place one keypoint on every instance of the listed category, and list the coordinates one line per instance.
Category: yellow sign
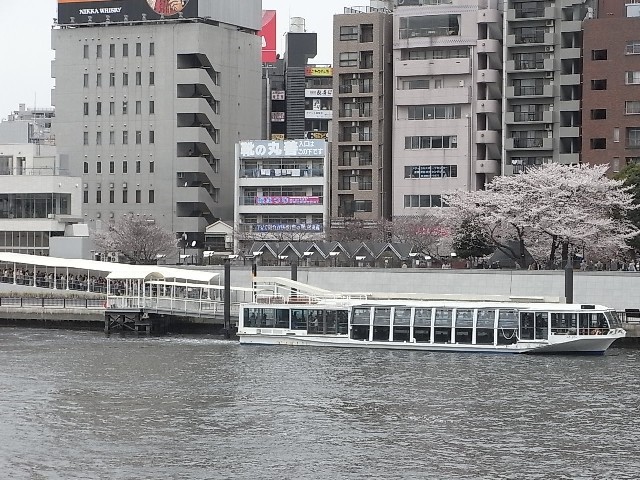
(318, 71)
(277, 136)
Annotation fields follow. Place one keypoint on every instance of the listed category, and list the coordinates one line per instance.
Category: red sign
(268, 34)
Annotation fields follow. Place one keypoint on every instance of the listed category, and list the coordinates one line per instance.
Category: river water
(81, 405)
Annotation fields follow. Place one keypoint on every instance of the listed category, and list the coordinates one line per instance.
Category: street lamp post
(184, 246)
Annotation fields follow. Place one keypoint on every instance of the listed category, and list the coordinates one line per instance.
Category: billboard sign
(318, 92)
(318, 71)
(268, 34)
(285, 200)
(100, 11)
(287, 227)
(279, 149)
(319, 114)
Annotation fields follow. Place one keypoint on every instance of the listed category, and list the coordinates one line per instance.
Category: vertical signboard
(268, 34)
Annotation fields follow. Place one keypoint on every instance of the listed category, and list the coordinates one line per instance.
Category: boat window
(486, 318)
(542, 325)
(464, 318)
(443, 317)
(402, 316)
(564, 323)
(316, 321)
(298, 319)
(360, 316)
(507, 319)
(343, 322)
(592, 324)
(526, 325)
(330, 322)
(614, 320)
(382, 316)
(422, 317)
(261, 317)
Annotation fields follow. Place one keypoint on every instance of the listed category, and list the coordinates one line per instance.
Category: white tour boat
(519, 326)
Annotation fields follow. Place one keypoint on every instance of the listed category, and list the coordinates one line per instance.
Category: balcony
(529, 143)
(432, 96)
(489, 167)
(569, 53)
(453, 66)
(534, 13)
(571, 79)
(489, 16)
(530, 91)
(488, 137)
(280, 174)
(569, 105)
(488, 106)
(529, 117)
(570, 26)
(489, 46)
(489, 76)
(569, 132)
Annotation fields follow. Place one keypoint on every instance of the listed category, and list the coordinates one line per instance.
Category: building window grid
(632, 78)
(632, 107)
(431, 112)
(430, 142)
(422, 201)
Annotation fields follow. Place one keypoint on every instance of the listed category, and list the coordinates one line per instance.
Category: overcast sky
(25, 43)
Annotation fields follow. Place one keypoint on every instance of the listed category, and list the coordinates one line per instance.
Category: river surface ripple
(82, 405)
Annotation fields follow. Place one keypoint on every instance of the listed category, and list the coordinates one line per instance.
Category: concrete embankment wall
(618, 290)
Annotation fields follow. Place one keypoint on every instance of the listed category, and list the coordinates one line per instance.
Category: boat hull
(594, 345)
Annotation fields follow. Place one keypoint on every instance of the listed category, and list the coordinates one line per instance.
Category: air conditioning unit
(98, 215)
(548, 48)
(548, 126)
(548, 75)
(549, 23)
(85, 186)
(124, 185)
(180, 174)
(111, 185)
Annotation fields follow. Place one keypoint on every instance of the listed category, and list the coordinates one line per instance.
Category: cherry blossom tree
(137, 239)
(426, 233)
(565, 206)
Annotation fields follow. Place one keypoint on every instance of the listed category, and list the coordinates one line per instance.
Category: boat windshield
(614, 320)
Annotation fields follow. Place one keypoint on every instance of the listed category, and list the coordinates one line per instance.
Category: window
(633, 9)
(422, 84)
(125, 49)
(98, 79)
(112, 137)
(112, 167)
(125, 137)
(112, 50)
(138, 137)
(430, 112)
(632, 108)
(598, 114)
(137, 166)
(125, 105)
(112, 108)
(85, 196)
(112, 196)
(616, 134)
(422, 142)
(125, 79)
(85, 138)
(125, 196)
(633, 137)
(349, 59)
(98, 51)
(99, 108)
(152, 107)
(152, 49)
(362, 205)
(598, 54)
(152, 78)
(429, 26)
(422, 201)
(152, 166)
(85, 51)
(138, 107)
(633, 48)
(112, 79)
(85, 80)
(138, 49)
(98, 138)
(430, 171)
(598, 143)
(98, 196)
(138, 196)
(85, 167)
(348, 33)
(85, 108)
(125, 167)
(599, 84)
(632, 78)
(152, 196)
(152, 136)
(138, 78)
(98, 167)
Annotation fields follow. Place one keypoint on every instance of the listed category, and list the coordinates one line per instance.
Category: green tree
(469, 241)
(630, 175)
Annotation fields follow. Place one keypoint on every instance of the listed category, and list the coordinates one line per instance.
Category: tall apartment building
(150, 104)
(611, 85)
(362, 98)
(447, 98)
(543, 68)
